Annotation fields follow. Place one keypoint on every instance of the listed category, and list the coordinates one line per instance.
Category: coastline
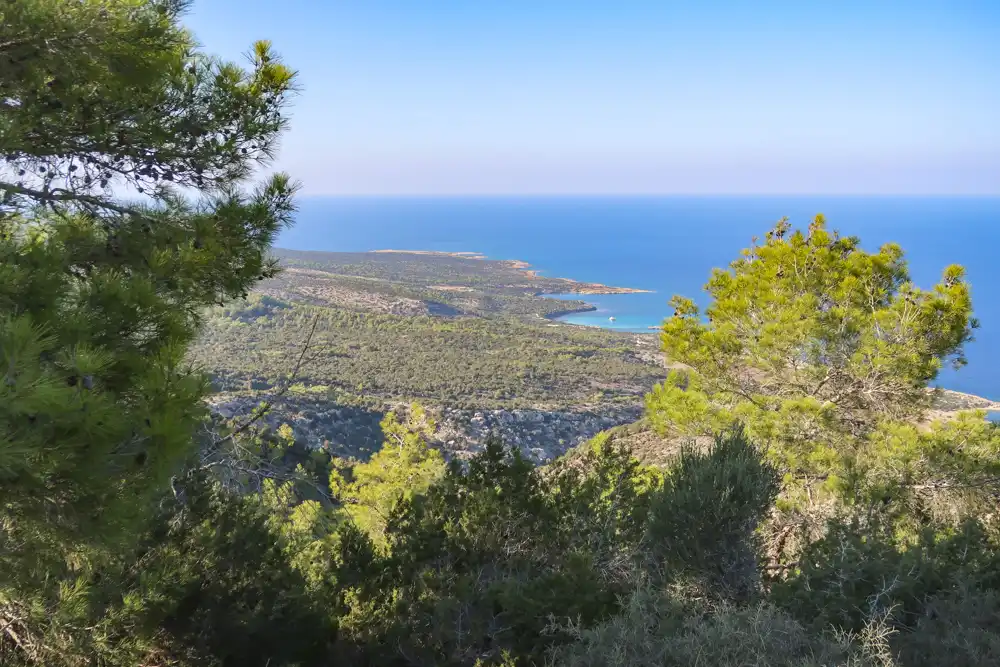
(554, 317)
(949, 400)
(575, 287)
(571, 286)
(557, 318)
(439, 253)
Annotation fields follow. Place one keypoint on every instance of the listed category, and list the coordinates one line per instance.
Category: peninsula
(568, 285)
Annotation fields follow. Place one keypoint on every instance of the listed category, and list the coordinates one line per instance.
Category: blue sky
(621, 97)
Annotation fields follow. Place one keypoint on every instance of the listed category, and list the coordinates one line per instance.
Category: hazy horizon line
(650, 195)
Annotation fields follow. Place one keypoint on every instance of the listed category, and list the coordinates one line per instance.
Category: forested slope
(474, 362)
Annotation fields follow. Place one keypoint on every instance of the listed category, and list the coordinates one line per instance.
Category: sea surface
(670, 244)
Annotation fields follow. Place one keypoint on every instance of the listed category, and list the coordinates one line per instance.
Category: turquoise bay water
(669, 245)
(631, 312)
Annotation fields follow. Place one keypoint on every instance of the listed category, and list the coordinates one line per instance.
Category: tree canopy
(403, 468)
(811, 342)
(100, 294)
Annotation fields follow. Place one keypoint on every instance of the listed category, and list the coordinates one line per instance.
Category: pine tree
(812, 343)
(100, 294)
(403, 468)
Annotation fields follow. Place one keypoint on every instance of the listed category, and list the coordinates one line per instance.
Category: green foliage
(853, 575)
(121, 83)
(811, 342)
(476, 567)
(656, 630)
(100, 296)
(499, 558)
(946, 469)
(604, 495)
(219, 587)
(704, 522)
(403, 468)
(208, 584)
(823, 353)
(960, 628)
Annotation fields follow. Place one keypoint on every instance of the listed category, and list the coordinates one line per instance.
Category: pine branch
(263, 409)
(230, 463)
(57, 195)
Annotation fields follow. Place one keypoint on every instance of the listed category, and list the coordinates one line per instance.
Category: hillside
(464, 335)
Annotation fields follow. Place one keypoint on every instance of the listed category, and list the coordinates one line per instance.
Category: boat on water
(611, 319)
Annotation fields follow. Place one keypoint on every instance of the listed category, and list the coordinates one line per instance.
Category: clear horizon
(631, 99)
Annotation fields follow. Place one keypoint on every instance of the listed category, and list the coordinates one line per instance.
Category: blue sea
(670, 244)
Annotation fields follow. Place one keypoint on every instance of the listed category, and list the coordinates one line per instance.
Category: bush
(852, 575)
(703, 524)
(477, 568)
(216, 585)
(960, 628)
(656, 630)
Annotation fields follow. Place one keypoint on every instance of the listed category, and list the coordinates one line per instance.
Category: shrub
(656, 630)
(703, 524)
(852, 575)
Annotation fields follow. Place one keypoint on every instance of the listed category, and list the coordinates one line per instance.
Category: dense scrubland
(805, 508)
(495, 361)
